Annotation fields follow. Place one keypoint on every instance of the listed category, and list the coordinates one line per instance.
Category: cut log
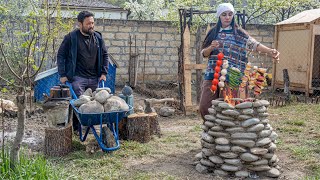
(58, 141)
(138, 126)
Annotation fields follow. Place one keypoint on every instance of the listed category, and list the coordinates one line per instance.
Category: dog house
(298, 41)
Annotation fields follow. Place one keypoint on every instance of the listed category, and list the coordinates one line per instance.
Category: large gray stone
(256, 128)
(242, 142)
(209, 124)
(244, 136)
(248, 157)
(258, 151)
(216, 128)
(238, 149)
(166, 111)
(272, 147)
(262, 109)
(242, 174)
(220, 172)
(207, 145)
(265, 103)
(230, 112)
(204, 128)
(225, 106)
(244, 105)
(224, 148)
(250, 122)
(273, 172)
(248, 111)
(263, 114)
(115, 103)
(260, 168)
(209, 117)
(235, 162)
(198, 156)
(201, 168)
(212, 111)
(222, 141)
(206, 163)
(273, 136)
(260, 162)
(223, 117)
(208, 152)
(244, 117)
(91, 107)
(229, 168)
(218, 134)
(263, 142)
(102, 96)
(225, 123)
(268, 155)
(216, 159)
(207, 138)
(229, 155)
(264, 133)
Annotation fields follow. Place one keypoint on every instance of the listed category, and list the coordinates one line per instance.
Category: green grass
(28, 167)
(298, 127)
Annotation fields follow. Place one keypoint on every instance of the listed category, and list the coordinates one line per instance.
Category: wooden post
(198, 61)
(187, 72)
(286, 84)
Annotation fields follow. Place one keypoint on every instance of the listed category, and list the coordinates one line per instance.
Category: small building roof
(307, 16)
(86, 4)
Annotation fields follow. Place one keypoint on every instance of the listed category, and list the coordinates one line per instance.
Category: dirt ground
(178, 163)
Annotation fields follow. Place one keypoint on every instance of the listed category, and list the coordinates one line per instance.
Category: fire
(227, 94)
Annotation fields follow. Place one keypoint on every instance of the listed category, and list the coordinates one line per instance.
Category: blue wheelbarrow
(110, 119)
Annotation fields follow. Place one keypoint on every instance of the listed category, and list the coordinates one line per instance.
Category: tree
(27, 30)
(257, 11)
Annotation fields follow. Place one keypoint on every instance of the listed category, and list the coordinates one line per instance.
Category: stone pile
(238, 140)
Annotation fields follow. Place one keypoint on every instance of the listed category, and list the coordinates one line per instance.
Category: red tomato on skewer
(220, 55)
(219, 62)
(216, 75)
(213, 88)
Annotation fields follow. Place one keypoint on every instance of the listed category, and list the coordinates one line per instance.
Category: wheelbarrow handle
(102, 84)
(73, 94)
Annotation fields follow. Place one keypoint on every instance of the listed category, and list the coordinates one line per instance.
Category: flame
(227, 94)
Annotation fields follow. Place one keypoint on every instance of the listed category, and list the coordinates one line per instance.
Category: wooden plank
(186, 60)
(309, 61)
(294, 48)
(195, 66)
(315, 54)
(294, 27)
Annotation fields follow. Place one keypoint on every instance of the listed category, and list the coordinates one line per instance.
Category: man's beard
(89, 31)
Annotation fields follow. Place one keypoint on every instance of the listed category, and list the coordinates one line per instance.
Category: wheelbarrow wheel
(108, 137)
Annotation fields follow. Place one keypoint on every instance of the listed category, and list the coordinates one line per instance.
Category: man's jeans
(79, 85)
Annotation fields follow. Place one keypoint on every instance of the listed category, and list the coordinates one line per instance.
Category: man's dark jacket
(67, 55)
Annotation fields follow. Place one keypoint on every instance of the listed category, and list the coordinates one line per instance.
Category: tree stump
(138, 126)
(58, 140)
(141, 126)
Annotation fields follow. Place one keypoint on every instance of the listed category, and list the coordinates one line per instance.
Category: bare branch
(26, 70)
(7, 63)
(10, 83)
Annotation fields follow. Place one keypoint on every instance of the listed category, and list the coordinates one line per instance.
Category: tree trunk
(14, 153)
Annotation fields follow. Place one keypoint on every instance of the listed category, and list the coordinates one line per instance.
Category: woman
(233, 42)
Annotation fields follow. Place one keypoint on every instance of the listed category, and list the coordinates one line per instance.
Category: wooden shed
(298, 41)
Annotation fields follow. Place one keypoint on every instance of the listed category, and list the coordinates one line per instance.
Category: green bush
(29, 167)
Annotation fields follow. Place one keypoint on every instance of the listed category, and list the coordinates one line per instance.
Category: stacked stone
(238, 141)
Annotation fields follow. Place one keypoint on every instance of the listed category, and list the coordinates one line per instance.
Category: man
(82, 56)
